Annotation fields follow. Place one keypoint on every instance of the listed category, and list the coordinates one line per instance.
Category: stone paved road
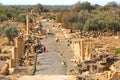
(65, 51)
(50, 63)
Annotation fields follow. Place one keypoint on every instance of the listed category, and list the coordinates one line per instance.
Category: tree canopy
(89, 17)
(10, 30)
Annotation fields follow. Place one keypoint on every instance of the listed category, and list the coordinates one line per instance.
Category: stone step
(47, 77)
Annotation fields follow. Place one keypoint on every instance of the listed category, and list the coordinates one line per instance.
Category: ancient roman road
(51, 63)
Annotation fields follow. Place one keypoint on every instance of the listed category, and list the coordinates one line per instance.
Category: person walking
(56, 39)
(38, 48)
(69, 42)
(44, 49)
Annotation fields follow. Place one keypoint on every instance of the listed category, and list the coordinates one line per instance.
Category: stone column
(82, 50)
(31, 11)
(11, 63)
(11, 67)
(75, 50)
(27, 24)
(87, 53)
(19, 44)
(78, 51)
(14, 57)
(90, 56)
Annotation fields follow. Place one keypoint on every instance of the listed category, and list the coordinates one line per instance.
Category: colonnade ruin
(21, 53)
(92, 59)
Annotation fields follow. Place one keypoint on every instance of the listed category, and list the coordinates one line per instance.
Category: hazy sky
(54, 2)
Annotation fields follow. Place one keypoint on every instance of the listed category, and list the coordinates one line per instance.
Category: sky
(53, 2)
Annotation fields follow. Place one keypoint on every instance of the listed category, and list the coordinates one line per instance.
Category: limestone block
(115, 75)
(101, 76)
(117, 37)
(11, 70)
(4, 69)
(115, 66)
(100, 68)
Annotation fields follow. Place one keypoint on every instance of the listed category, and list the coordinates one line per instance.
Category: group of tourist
(34, 46)
(39, 48)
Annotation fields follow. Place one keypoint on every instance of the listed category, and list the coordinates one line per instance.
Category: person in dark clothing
(69, 42)
(38, 48)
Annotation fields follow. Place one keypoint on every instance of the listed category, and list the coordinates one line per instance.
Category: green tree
(52, 17)
(94, 25)
(21, 18)
(10, 31)
(110, 6)
(2, 13)
(77, 26)
(68, 19)
(38, 8)
(85, 6)
(113, 25)
(3, 17)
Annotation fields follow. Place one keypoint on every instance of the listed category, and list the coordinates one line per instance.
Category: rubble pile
(94, 55)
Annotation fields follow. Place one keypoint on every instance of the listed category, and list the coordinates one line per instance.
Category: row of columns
(81, 51)
(11, 64)
(84, 52)
(16, 53)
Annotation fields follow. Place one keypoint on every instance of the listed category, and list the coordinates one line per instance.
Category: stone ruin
(13, 57)
(89, 64)
(18, 56)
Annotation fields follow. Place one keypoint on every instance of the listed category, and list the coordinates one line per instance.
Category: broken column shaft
(87, 53)
(82, 50)
(27, 24)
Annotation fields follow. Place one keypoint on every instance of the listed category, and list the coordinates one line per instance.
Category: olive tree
(10, 31)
